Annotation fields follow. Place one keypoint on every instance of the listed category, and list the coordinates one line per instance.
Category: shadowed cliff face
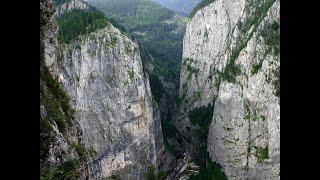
(231, 61)
(61, 138)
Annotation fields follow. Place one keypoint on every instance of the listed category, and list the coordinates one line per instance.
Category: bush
(68, 170)
(262, 153)
(151, 175)
(81, 151)
(271, 34)
(212, 171)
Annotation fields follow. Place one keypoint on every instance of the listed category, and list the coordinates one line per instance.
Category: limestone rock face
(102, 72)
(72, 4)
(231, 60)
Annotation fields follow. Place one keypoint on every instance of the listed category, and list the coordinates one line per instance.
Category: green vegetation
(56, 103)
(258, 13)
(54, 99)
(212, 171)
(157, 88)
(78, 22)
(131, 74)
(60, 2)
(151, 174)
(271, 34)
(191, 70)
(81, 151)
(232, 70)
(202, 116)
(262, 153)
(201, 5)
(45, 15)
(69, 170)
(170, 132)
(114, 177)
(256, 67)
(159, 30)
(276, 82)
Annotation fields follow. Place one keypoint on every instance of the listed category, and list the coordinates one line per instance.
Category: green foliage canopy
(78, 22)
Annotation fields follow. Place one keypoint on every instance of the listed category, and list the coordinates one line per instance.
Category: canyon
(107, 113)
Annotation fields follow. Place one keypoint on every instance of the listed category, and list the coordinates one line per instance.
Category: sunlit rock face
(231, 60)
(102, 72)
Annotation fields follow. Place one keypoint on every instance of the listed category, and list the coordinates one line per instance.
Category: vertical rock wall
(231, 59)
(103, 75)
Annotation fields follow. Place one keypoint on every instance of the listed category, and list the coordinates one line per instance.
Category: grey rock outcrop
(102, 72)
(231, 60)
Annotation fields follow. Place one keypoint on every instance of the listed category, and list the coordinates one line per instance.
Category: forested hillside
(159, 30)
(77, 22)
(181, 6)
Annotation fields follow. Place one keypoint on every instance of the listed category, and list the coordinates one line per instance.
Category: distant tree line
(77, 22)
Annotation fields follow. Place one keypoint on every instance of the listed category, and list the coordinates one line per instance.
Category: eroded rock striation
(231, 61)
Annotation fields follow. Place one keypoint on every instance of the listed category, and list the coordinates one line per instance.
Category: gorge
(131, 90)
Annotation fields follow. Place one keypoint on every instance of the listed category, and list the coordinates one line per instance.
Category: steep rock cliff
(102, 72)
(61, 144)
(231, 66)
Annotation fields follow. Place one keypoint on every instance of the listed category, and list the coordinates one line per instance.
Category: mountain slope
(182, 6)
(159, 30)
(230, 77)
